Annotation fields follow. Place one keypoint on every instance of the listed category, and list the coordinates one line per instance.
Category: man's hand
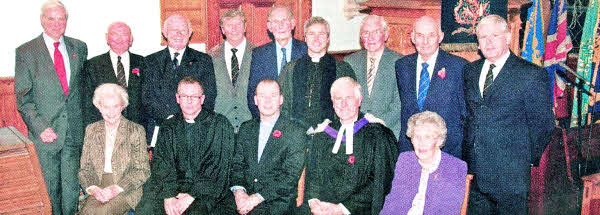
(325, 208)
(48, 135)
(184, 201)
(242, 202)
(171, 206)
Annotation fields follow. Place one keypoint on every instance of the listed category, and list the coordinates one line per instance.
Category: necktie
(489, 78)
(59, 66)
(175, 61)
(235, 67)
(121, 73)
(371, 75)
(283, 59)
(423, 86)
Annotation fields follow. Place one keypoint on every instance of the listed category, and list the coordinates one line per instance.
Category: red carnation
(442, 73)
(277, 134)
(351, 159)
(136, 71)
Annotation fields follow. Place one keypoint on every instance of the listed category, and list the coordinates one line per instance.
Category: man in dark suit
(269, 59)
(232, 68)
(118, 66)
(269, 157)
(431, 80)
(165, 68)
(47, 86)
(374, 68)
(509, 122)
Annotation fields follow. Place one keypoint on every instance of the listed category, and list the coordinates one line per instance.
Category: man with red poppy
(355, 176)
(194, 154)
(269, 157)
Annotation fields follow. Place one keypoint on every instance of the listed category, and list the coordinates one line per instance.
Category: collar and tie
(283, 59)
(489, 79)
(235, 67)
(423, 86)
(59, 66)
(371, 72)
(175, 61)
(121, 73)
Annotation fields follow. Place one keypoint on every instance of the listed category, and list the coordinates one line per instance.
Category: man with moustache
(268, 60)
(231, 60)
(118, 66)
(431, 80)
(48, 90)
(374, 69)
(305, 82)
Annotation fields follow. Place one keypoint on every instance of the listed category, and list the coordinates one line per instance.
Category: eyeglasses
(190, 98)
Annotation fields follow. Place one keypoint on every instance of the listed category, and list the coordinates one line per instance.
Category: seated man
(192, 160)
(354, 177)
(269, 157)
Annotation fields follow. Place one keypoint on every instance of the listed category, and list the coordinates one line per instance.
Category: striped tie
(489, 79)
(423, 86)
(121, 73)
(283, 59)
(371, 75)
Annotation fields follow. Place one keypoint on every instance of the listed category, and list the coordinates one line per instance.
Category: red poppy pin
(442, 73)
(74, 56)
(190, 63)
(277, 133)
(136, 71)
(351, 159)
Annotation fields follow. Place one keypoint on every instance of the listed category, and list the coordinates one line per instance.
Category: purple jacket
(445, 187)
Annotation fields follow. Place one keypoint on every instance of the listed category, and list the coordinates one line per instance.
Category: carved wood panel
(194, 10)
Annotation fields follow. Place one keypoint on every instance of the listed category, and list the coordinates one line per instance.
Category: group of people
(282, 128)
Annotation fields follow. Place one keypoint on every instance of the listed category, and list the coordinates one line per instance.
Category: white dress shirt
(486, 66)
(288, 53)
(430, 66)
(172, 53)
(239, 54)
(418, 203)
(124, 60)
(63, 51)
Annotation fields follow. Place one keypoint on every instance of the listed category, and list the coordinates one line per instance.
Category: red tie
(59, 65)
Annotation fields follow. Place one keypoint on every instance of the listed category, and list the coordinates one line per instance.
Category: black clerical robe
(193, 158)
(361, 180)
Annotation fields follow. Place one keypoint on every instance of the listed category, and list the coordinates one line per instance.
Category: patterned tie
(371, 74)
(489, 79)
(59, 66)
(423, 86)
(175, 61)
(121, 73)
(283, 60)
(235, 67)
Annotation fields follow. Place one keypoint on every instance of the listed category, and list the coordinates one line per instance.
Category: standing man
(232, 68)
(48, 88)
(374, 68)
(306, 81)
(509, 122)
(194, 154)
(431, 80)
(269, 59)
(165, 68)
(118, 66)
(269, 157)
(355, 176)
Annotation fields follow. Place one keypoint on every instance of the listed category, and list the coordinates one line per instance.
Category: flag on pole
(533, 43)
(558, 44)
(584, 63)
(595, 99)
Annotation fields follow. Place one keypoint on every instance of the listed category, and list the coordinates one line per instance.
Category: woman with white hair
(426, 180)
(114, 161)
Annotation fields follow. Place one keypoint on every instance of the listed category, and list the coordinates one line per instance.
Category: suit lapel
(106, 65)
(475, 78)
(49, 73)
(134, 63)
(73, 59)
(272, 142)
(272, 49)
(101, 139)
(502, 77)
(252, 152)
(436, 81)
(224, 73)
(361, 74)
(411, 75)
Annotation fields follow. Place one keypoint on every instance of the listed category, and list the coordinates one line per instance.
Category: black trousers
(496, 203)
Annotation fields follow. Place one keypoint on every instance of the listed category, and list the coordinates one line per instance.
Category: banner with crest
(459, 18)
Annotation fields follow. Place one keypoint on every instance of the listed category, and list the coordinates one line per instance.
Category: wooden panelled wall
(9, 116)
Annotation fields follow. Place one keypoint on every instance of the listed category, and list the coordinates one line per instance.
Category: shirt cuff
(310, 201)
(260, 196)
(90, 188)
(344, 209)
(235, 188)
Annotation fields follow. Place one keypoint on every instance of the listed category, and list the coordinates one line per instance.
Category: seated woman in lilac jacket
(432, 182)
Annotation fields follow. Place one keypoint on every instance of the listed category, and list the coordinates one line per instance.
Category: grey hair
(190, 80)
(316, 20)
(493, 19)
(381, 20)
(51, 4)
(232, 13)
(165, 23)
(275, 7)
(427, 117)
(346, 80)
(110, 90)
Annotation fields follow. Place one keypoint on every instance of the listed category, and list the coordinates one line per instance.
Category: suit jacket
(264, 66)
(444, 96)
(384, 102)
(160, 82)
(99, 70)
(129, 158)
(275, 176)
(230, 99)
(40, 98)
(509, 128)
(445, 186)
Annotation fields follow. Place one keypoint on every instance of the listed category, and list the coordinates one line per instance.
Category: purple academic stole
(333, 133)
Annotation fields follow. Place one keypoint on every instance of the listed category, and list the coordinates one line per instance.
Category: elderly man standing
(118, 66)
(268, 60)
(307, 80)
(374, 68)
(165, 68)
(194, 154)
(47, 85)
(431, 80)
(232, 68)
(269, 157)
(355, 176)
(509, 122)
